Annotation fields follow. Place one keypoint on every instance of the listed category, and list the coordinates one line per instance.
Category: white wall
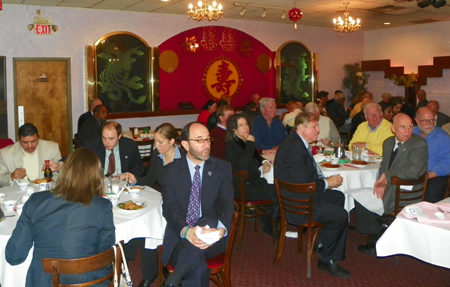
(410, 47)
(81, 27)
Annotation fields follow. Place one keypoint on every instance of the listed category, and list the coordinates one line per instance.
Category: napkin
(208, 238)
(425, 212)
(319, 157)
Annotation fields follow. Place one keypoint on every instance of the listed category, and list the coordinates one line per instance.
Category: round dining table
(145, 223)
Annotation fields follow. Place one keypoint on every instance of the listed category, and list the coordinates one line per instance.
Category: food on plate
(42, 180)
(359, 162)
(329, 165)
(131, 205)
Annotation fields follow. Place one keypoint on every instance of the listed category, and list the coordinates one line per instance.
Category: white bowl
(9, 204)
(18, 209)
(24, 185)
(134, 192)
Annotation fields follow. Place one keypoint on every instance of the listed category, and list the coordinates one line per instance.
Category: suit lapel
(207, 178)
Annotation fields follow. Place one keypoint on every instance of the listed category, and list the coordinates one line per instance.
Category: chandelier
(348, 24)
(205, 11)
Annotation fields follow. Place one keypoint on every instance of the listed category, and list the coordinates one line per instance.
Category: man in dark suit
(191, 201)
(92, 127)
(404, 155)
(295, 164)
(89, 114)
(441, 118)
(125, 153)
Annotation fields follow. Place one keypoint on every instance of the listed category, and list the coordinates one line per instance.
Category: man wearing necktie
(404, 155)
(294, 163)
(118, 155)
(197, 191)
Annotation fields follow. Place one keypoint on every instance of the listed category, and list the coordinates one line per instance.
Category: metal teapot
(339, 151)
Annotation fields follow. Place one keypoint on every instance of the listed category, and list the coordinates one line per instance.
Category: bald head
(402, 127)
(434, 106)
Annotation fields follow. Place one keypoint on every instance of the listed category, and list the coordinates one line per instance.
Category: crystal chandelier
(348, 24)
(205, 11)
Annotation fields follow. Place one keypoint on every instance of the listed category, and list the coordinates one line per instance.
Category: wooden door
(42, 87)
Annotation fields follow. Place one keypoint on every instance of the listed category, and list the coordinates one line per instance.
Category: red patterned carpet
(252, 266)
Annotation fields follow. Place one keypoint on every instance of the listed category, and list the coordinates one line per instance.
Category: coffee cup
(18, 209)
(23, 185)
(114, 199)
(2, 196)
(8, 204)
(334, 160)
(43, 186)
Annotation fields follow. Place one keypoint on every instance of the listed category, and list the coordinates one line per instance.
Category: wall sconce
(242, 12)
(283, 16)
(190, 45)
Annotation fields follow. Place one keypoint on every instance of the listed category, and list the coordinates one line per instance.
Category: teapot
(339, 151)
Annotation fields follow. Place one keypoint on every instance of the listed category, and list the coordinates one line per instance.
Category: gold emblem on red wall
(222, 78)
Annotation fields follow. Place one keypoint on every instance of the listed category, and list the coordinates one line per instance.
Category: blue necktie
(193, 213)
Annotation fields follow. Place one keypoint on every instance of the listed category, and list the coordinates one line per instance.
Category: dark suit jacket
(409, 163)
(130, 158)
(337, 113)
(442, 119)
(83, 118)
(154, 175)
(91, 129)
(216, 197)
(294, 164)
(218, 146)
(60, 229)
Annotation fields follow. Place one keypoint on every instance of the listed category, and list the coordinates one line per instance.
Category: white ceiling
(373, 13)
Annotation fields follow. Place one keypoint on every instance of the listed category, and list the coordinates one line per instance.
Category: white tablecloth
(147, 222)
(429, 243)
(354, 178)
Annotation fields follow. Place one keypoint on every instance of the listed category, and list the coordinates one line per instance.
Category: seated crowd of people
(202, 158)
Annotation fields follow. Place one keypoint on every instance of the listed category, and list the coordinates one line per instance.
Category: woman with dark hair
(397, 103)
(166, 152)
(241, 152)
(387, 109)
(207, 109)
(71, 221)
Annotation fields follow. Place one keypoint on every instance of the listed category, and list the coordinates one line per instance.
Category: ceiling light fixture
(347, 24)
(205, 11)
(242, 12)
(265, 8)
(264, 13)
(434, 3)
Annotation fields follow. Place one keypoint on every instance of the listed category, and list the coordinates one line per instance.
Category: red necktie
(112, 163)
(193, 213)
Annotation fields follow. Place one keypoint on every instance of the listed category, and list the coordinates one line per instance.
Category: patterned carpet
(252, 266)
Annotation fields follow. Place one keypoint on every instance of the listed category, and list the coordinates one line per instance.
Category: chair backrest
(57, 267)
(5, 143)
(230, 243)
(406, 197)
(299, 201)
(145, 147)
(141, 129)
(239, 177)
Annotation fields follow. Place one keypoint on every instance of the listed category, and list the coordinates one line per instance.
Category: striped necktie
(193, 213)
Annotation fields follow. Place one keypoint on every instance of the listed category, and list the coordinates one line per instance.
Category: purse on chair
(124, 279)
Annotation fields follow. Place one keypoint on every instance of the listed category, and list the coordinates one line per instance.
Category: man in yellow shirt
(372, 133)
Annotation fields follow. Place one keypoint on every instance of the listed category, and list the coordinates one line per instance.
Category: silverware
(441, 210)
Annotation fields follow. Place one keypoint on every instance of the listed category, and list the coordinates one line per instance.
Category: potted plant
(355, 80)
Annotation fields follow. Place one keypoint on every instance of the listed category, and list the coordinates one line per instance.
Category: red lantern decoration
(295, 14)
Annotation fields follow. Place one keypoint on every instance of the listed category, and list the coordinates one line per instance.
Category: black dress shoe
(146, 283)
(167, 285)
(368, 249)
(333, 268)
(318, 247)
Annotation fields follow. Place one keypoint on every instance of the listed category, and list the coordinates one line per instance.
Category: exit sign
(42, 29)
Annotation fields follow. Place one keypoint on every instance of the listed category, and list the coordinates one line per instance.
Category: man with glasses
(372, 133)
(197, 191)
(404, 155)
(438, 153)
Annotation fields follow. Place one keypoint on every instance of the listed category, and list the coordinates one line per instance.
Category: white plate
(376, 158)
(140, 203)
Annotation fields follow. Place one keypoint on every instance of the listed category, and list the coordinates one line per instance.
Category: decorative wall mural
(122, 73)
(296, 73)
(222, 79)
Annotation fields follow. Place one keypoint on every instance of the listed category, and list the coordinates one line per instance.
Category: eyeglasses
(432, 121)
(201, 141)
(373, 115)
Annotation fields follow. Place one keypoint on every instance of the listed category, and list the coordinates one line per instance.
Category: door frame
(68, 93)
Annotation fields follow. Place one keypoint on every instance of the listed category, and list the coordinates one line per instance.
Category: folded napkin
(319, 157)
(426, 212)
(208, 238)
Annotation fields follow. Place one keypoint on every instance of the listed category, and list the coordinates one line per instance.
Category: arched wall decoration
(264, 63)
(222, 78)
(168, 61)
(237, 49)
(296, 73)
(123, 73)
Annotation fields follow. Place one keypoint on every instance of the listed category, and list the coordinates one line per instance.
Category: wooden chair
(58, 267)
(297, 207)
(219, 265)
(248, 209)
(413, 195)
(447, 191)
(146, 149)
(5, 143)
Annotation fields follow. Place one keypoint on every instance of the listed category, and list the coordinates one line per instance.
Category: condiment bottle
(48, 171)
(365, 155)
(136, 131)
